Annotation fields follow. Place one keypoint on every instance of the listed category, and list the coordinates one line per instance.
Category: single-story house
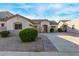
(11, 22)
(15, 23)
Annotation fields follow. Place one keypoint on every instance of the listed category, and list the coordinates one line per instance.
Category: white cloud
(72, 9)
(57, 18)
(68, 11)
(24, 6)
(40, 10)
(58, 9)
(55, 5)
(33, 17)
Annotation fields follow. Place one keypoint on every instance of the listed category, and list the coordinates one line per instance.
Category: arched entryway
(65, 28)
(45, 28)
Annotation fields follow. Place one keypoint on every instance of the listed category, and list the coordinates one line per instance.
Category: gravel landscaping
(14, 43)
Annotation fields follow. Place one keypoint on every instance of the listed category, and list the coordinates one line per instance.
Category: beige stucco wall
(2, 28)
(56, 27)
(45, 23)
(10, 23)
(60, 24)
(38, 27)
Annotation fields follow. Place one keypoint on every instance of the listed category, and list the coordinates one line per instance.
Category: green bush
(28, 34)
(51, 30)
(60, 30)
(4, 33)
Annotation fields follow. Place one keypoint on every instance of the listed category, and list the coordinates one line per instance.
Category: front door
(45, 28)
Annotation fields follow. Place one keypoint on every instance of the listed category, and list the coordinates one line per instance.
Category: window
(30, 25)
(2, 25)
(18, 26)
(35, 26)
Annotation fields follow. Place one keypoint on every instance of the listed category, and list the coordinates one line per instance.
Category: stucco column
(49, 28)
(41, 29)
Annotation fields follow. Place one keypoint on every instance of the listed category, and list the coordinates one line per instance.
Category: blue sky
(51, 11)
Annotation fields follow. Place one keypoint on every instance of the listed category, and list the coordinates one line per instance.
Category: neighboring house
(17, 22)
(62, 22)
(71, 26)
(63, 25)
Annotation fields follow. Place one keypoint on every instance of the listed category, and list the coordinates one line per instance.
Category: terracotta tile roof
(41, 19)
(36, 21)
(4, 14)
(7, 16)
(17, 15)
(53, 23)
(63, 20)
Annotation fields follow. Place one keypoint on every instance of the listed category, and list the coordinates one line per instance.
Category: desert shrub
(51, 30)
(4, 33)
(60, 30)
(28, 34)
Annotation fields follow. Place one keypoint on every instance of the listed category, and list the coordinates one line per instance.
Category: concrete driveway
(66, 43)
